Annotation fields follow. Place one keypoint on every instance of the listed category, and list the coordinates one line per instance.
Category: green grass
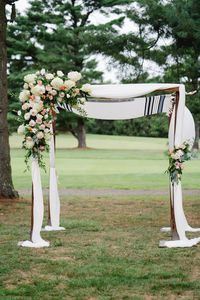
(109, 250)
(110, 162)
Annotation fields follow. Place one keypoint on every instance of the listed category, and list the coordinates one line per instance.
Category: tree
(6, 185)
(60, 35)
(178, 23)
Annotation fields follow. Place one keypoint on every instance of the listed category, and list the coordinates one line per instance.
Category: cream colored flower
(69, 84)
(29, 144)
(21, 129)
(32, 123)
(49, 76)
(30, 78)
(25, 106)
(60, 73)
(27, 116)
(74, 76)
(57, 83)
(38, 90)
(24, 95)
(40, 135)
(87, 88)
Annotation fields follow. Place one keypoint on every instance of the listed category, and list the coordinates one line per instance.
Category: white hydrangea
(69, 84)
(24, 95)
(57, 83)
(75, 76)
(87, 88)
(60, 73)
(49, 76)
(30, 78)
(21, 129)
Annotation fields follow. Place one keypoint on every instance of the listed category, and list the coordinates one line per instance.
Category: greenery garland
(39, 97)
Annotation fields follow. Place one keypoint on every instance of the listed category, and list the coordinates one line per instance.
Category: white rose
(75, 76)
(69, 84)
(33, 112)
(39, 116)
(53, 92)
(42, 72)
(60, 73)
(25, 106)
(21, 129)
(57, 83)
(24, 95)
(19, 113)
(87, 88)
(59, 99)
(26, 86)
(29, 144)
(38, 89)
(30, 78)
(40, 135)
(32, 123)
(27, 116)
(47, 130)
(49, 76)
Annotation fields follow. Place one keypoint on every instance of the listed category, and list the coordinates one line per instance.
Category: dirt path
(109, 192)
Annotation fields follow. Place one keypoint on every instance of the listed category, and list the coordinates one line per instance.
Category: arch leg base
(188, 229)
(30, 244)
(186, 243)
(53, 228)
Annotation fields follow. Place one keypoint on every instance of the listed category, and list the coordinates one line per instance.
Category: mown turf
(122, 162)
(108, 251)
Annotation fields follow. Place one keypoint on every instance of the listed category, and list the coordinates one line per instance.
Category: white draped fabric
(109, 108)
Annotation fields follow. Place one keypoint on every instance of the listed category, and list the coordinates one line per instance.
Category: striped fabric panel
(154, 105)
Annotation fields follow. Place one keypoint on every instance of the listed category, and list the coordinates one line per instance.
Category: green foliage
(155, 126)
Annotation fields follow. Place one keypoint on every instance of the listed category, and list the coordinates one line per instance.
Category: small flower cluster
(176, 159)
(39, 97)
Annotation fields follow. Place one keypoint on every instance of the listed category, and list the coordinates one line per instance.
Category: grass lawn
(109, 251)
(110, 162)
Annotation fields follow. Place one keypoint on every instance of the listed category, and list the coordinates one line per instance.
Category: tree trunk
(196, 141)
(6, 185)
(81, 136)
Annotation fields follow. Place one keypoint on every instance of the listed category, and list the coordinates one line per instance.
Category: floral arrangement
(176, 159)
(39, 97)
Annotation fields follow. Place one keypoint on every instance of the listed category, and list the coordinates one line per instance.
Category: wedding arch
(120, 102)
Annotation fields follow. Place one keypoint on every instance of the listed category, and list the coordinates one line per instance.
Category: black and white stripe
(154, 105)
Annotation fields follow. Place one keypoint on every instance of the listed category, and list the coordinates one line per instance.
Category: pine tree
(6, 185)
(60, 36)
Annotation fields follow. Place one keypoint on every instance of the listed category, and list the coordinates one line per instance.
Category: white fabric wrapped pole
(176, 139)
(37, 210)
(54, 200)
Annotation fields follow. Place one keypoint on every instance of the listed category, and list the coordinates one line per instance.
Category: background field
(110, 162)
